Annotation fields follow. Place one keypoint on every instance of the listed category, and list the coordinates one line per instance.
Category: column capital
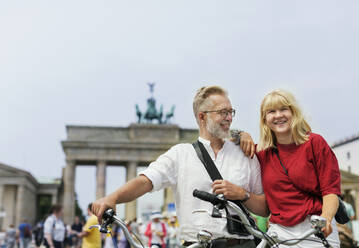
(101, 162)
(70, 162)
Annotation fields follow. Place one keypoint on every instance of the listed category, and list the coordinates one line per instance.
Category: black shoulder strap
(275, 150)
(207, 161)
(211, 167)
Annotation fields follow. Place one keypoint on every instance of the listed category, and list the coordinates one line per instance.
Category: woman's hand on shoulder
(245, 141)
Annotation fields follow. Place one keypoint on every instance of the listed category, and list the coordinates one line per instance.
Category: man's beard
(216, 130)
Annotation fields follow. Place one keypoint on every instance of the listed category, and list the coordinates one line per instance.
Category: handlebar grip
(205, 196)
(108, 214)
(107, 218)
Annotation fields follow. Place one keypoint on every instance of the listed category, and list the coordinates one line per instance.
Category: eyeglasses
(222, 112)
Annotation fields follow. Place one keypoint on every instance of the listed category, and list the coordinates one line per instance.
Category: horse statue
(170, 114)
(151, 112)
(160, 115)
(139, 114)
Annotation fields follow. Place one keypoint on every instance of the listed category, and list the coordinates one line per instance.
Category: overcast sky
(88, 63)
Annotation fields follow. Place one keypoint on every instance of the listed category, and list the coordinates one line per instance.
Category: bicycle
(205, 238)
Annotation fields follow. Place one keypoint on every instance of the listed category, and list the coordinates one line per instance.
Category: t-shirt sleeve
(90, 222)
(163, 171)
(327, 167)
(255, 182)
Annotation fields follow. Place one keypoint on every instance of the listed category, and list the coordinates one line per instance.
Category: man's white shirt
(182, 170)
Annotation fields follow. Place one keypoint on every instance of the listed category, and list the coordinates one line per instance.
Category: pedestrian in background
(25, 234)
(54, 228)
(76, 228)
(156, 231)
(173, 233)
(10, 236)
(39, 233)
(91, 238)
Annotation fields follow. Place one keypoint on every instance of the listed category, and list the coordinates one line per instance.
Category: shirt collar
(204, 141)
(208, 143)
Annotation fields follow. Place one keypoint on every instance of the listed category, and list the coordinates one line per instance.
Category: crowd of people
(161, 230)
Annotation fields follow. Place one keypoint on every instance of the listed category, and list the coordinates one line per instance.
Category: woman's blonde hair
(300, 127)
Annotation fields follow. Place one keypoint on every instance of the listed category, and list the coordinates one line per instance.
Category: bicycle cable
(265, 235)
(307, 239)
(134, 234)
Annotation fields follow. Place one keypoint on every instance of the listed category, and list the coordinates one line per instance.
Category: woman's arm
(330, 207)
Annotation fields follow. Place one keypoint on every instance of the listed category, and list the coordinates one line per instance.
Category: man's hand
(101, 205)
(247, 144)
(160, 234)
(229, 190)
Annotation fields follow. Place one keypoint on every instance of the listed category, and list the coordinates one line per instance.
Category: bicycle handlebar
(318, 223)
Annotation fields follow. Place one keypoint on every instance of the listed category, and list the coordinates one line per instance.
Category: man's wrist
(247, 196)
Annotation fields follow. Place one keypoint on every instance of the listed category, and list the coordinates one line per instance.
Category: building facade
(347, 153)
(21, 196)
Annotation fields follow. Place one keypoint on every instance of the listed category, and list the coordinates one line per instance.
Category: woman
(54, 228)
(300, 172)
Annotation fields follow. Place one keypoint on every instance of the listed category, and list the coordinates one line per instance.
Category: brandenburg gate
(132, 146)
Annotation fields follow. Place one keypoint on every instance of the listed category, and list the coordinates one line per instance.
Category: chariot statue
(152, 113)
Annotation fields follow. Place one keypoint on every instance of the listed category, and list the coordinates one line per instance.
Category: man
(76, 228)
(25, 234)
(91, 238)
(350, 212)
(181, 169)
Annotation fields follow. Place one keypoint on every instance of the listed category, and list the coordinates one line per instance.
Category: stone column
(20, 203)
(131, 207)
(2, 189)
(101, 179)
(69, 192)
(356, 199)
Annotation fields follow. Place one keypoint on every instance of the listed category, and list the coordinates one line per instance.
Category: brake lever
(216, 213)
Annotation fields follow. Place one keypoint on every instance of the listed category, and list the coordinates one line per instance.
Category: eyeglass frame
(221, 112)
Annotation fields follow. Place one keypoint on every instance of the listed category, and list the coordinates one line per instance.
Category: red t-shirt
(305, 163)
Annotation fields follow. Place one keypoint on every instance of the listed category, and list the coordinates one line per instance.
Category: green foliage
(43, 206)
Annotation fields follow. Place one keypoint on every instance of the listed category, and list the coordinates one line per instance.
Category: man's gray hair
(200, 101)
